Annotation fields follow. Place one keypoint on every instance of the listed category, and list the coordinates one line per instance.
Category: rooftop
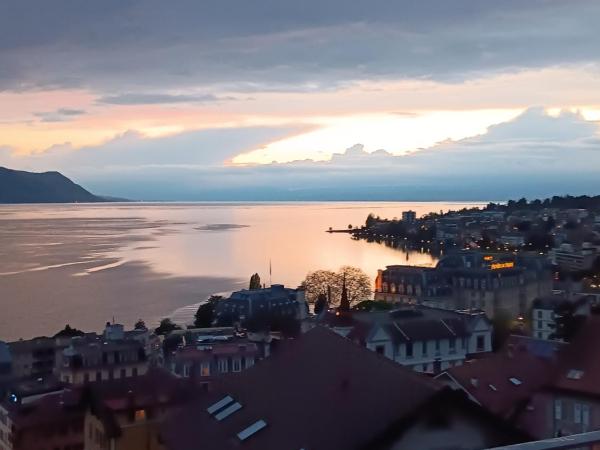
(319, 391)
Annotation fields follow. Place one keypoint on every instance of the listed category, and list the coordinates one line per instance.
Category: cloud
(156, 99)
(59, 115)
(136, 45)
(534, 155)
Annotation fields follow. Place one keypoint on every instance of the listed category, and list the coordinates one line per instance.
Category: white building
(426, 339)
(545, 310)
(571, 258)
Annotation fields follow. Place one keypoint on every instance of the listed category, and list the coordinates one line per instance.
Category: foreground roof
(318, 392)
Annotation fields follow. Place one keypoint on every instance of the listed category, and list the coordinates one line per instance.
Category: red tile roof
(320, 391)
(579, 363)
(503, 382)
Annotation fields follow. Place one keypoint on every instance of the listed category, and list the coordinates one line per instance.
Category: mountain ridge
(19, 186)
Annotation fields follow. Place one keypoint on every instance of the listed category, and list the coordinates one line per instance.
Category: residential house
(53, 420)
(322, 392)
(425, 339)
(125, 414)
(546, 310)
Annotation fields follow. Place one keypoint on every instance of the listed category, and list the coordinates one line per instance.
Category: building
(424, 339)
(548, 388)
(33, 357)
(209, 352)
(545, 311)
(52, 420)
(99, 358)
(409, 216)
(276, 301)
(125, 414)
(493, 283)
(322, 392)
(573, 397)
(506, 382)
(574, 259)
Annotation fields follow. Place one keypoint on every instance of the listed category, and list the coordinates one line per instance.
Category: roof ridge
(401, 331)
(447, 326)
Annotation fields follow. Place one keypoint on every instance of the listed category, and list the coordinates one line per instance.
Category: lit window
(140, 415)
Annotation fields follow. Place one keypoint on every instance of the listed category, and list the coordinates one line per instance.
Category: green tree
(166, 326)
(205, 315)
(255, 282)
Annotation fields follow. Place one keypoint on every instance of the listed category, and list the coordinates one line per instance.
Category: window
(424, 348)
(585, 416)
(205, 369)
(577, 412)
(134, 372)
(123, 373)
(452, 345)
(380, 349)
(557, 410)
(540, 324)
(223, 366)
(140, 415)
(480, 343)
(237, 365)
(409, 350)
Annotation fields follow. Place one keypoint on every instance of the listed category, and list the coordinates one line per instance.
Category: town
(494, 346)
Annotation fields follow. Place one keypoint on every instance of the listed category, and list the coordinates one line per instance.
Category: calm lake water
(84, 264)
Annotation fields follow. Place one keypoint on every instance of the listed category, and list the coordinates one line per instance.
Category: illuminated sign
(488, 257)
(502, 265)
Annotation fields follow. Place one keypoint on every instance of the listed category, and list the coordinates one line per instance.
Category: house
(275, 302)
(552, 388)
(53, 420)
(422, 338)
(322, 392)
(125, 414)
(545, 311)
(33, 357)
(505, 382)
(575, 390)
(98, 358)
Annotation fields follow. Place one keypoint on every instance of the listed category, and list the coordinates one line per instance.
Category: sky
(312, 100)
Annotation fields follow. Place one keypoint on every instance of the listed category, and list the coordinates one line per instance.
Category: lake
(85, 264)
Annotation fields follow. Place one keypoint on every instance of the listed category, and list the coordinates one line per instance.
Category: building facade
(470, 280)
(424, 339)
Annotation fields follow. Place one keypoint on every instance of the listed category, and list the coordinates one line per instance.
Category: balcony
(583, 441)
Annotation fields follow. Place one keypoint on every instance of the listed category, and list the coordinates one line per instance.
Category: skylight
(492, 387)
(252, 429)
(575, 374)
(515, 381)
(220, 404)
(228, 411)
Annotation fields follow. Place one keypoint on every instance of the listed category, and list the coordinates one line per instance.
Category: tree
(320, 303)
(67, 331)
(255, 282)
(321, 282)
(166, 326)
(371, 220)
(329, 283)
(205, 315)
(140, 325)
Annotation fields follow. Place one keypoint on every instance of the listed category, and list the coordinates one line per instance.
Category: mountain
(49, 187)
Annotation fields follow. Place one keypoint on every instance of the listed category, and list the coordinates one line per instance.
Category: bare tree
(329, 283)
